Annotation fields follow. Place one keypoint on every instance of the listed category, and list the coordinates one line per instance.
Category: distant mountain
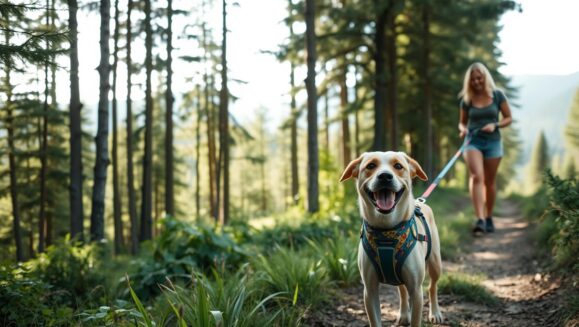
(543, 103)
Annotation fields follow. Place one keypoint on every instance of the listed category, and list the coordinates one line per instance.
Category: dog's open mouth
(384, 200)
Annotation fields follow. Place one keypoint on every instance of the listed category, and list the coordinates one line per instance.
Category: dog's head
(384, 179)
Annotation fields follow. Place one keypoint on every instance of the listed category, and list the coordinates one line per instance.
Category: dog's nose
(385, 177)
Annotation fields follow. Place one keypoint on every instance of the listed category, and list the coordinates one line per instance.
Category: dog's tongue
(384, 199)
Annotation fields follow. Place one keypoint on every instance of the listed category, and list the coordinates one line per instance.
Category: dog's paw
(435, 317)
(403, 319)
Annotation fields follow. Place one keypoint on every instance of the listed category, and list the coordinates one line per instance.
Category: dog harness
(389, 248)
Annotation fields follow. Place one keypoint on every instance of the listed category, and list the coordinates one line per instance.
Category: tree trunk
(117, 214)
(198, 155)
(392, 88)
(169, 179)
(43, 150)
(327, 120)
(346, 149)
(294, 140)
(357, 117)
(130, 174)
(17, 229)
(428, 137)
(212, 158)
(97, 217)
(147, 191)
(294, 126)
(76, 205)
(380, 82)
(313, 160)
(224, 119)
(49, 226)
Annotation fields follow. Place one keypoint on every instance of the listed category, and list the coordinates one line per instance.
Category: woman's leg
(474, 162)
(491, 167)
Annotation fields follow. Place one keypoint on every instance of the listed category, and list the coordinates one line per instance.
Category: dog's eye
(398, 166)
(371, 166)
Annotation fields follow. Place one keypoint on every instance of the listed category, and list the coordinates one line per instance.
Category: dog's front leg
(372, 305)
(416, 303)
(404, 310)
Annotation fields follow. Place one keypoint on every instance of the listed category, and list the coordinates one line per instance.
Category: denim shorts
(488, 148)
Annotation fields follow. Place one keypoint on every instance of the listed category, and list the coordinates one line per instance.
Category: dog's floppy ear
(352, 169)
(415, 169)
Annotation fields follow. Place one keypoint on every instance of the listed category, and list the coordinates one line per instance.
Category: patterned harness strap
(389, 248)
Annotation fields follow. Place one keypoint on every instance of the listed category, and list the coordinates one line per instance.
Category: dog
(387, 206)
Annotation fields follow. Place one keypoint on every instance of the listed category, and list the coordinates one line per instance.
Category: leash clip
(420, 200)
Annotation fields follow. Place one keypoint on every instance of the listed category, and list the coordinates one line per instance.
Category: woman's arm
(462, 121)
(506, 112)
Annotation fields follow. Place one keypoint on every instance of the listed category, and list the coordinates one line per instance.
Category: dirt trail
(528, 297)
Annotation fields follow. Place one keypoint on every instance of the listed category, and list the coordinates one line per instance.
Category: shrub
(182, 249)
(74, 272)
(564, 209)
(26, 300)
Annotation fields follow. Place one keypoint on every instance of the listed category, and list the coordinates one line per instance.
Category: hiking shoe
(489, 226)
(479, 227)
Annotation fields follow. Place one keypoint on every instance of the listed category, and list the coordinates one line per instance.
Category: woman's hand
(489, 128)
(462, 130)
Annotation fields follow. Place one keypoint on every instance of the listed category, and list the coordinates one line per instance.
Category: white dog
(398, 238)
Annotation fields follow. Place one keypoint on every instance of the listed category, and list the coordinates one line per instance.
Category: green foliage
(564, 209)
(23, 298)
(285, 270)
(466, 286)
(339, 255)
(182, 249)
(453, 233)
(74, 271)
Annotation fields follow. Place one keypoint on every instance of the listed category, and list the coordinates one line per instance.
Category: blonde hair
(466, 93)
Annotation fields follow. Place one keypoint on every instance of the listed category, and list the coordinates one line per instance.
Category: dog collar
(389, 248)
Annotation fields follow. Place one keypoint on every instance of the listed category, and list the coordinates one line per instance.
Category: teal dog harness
(389, 248)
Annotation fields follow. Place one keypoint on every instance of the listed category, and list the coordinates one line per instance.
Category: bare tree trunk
(327, 120)
(295, 190)
(76, 205)
(97, 217)
(49, 226)
(346, 149)
(380, 126)
(130, 174)
(212, 160)
(428, 140)
(357, 117)
(294, 141)
(43, 150)
(17, 229)
(117, 214)
(147, 191)
(392, 89)
(169, 179)
(313, 160)
(224, 120)
(198, 155)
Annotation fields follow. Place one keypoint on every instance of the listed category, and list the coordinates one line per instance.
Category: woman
(479, 118)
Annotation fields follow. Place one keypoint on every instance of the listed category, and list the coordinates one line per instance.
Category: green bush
(26, 300)
(564, 209)
(74, 271)
(181, 250)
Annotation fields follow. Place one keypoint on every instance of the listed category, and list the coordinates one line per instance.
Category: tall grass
(291, 272)
(339, 255)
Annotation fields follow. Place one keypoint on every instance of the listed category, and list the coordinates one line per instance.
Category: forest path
(527, 297)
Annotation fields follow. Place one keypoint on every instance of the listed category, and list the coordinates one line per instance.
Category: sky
(542, 39)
